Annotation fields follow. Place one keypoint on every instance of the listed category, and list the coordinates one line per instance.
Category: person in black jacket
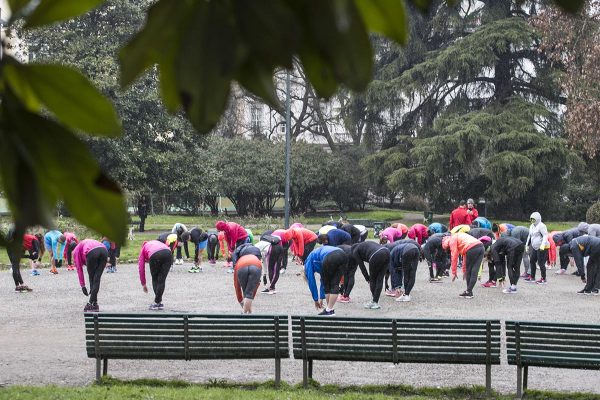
(353, 231)
(507, 253)
(200, 240)
(588, 246)
(562, 241)
(244, 250)
(349, 272)
(378, 258)
(436, 257)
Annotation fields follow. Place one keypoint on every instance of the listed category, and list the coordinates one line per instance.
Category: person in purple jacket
(159, 256)
(93, 255)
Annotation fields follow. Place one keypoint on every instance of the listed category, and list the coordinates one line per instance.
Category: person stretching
(418, 232)
(472, 250)
(182, 241)
(329, 262)
(15, 259)
(303, 242)
(390, 235)
(54, 242)
(405, 257)
(246, 279)
(436, 257)
(507, 253)
(353, 231)
(335, 237)
(200, 241)
(272, 255)
(212, 247)
(436, 227)
(563, 241)
(160, 258)
(70, 243)
(378, 258)
(588, 246)
(94, 256)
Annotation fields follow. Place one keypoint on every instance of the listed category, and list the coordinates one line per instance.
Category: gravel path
(42, 333)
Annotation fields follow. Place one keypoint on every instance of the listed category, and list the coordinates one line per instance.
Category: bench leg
(488, 379)
(519, 382)
(98, 361)
(277, 371)
(305, 373)
(525, 375)
(310, 368)
(105, 367)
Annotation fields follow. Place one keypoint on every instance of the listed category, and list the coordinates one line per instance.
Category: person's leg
(251, 286)
(473, 260)
(332, 271)
(155, 265)
(591, 275)
(161, 278)
(542, 257)
(285, 256)
(274, 264)
(179, 256)
(377, 269)
(526, 264)
(16, 268)
(410, 260)
(187, 250)
(211, 246)
(563, 253)
(493, 275)
(308, 248)
(349, 276)
(595, 260)
(533, 259)
(95, 261)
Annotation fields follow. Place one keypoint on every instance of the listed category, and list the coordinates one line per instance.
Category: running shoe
(18, 289)
(161, 306)
(96, 307)
(154, 307)
(193, 270)
(489, 284)
(272, 291)
(435, 280)
(576, 273)
(510, 290)
(230, 270)
(529, 279)
(371, 305)
(541, 281)
(88, 308)
(212, 262)
(389, 292)
(282, 271)
(560, 271)
(35, 272)
(344, 299)
(25, 288)
(549, 266)
(53, 271)
(265, 290)
(524, 275)
(326, 313)
(583, 291)
(595, 292)
(404, 298)
(466, 295)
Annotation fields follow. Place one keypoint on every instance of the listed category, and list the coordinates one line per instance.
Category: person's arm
(300, 244)
(453, 256)
(310, 279)
(577, 255)
(142, 267)
(544, 232)
(428, 254)
(79, 262)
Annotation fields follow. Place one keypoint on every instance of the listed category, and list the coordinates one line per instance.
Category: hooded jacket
(419, 233)
(459, 244)
(245, 250)
(566, 236)
(594, 230)
(436, 227)
(583, 228)
(233, 232)
(519, 232)
(584, 246)
(482, 222)
(538, 233)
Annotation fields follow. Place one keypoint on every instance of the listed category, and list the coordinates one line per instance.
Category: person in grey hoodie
(593, 230)
(538, 240)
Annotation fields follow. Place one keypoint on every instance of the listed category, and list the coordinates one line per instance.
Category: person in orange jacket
(472, 251)
(552, 252)
(303, 242)
(402, 228)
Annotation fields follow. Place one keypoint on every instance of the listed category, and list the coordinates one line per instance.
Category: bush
(593, 214)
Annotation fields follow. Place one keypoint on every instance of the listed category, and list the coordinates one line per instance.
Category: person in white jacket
(538, 240)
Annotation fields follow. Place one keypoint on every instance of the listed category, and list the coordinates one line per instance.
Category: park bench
(396, 340)
(186, 337)
(555, 345)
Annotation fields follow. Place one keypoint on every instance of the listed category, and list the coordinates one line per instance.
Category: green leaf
(319, 72)
(50, 11)
(17, 5)
(258, 80)
(387, 17)
(66, 169)
(66, 93)
(157, 41)
(205, 66)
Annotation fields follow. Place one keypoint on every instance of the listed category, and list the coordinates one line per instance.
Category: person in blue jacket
(335, 237)
(54, 242)
(329, 262)
(436, 227)
(482, 222)
(587, 246)
(405, 256)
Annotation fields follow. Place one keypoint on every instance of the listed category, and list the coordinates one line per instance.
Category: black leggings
(284, 257)
(349, 273)
(95, 262)
(538, 257)
(410, 261)
(160, 264)
(308, 248)
(16, 268)
(275, 258)
(378, 266)
(212, 247)
(185, 247)
(332, 270)
(513, 264)
(70, 249)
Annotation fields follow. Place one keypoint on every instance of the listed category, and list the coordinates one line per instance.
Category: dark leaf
(50, 11)
(387, 17)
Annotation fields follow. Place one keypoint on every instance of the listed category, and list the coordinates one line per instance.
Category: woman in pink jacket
(159, 256)
(93, 255)
(390, 235)
(472, 251)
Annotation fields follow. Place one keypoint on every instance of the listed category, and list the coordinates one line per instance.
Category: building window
(255, 112)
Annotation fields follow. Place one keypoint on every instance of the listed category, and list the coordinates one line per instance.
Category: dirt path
(42, 334)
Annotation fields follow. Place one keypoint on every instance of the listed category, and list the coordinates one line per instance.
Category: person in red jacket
(235, 234)
(472, 251)
(459, 216)
(419, 233)
(303, 242)
(472, 212)
(70, 242)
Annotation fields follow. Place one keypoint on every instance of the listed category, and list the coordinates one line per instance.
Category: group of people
(343, 250)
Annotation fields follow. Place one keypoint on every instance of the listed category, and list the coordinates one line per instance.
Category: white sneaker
(403, 298)
(510, 290)
(368, 304)
(560, 271)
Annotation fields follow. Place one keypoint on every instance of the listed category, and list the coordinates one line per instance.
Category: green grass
(156, 389)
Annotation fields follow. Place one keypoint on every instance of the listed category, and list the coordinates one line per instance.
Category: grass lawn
(150, 389)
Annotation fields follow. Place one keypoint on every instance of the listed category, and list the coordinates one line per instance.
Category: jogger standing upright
(538, 240)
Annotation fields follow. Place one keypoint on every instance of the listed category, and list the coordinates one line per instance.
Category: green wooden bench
(555, 345)
(439, 341)
(186, 337)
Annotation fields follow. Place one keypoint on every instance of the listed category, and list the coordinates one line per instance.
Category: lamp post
(287, 149)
